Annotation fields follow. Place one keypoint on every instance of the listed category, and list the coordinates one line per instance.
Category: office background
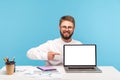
(28, 23)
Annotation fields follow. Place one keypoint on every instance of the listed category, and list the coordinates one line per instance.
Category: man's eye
(63, 26)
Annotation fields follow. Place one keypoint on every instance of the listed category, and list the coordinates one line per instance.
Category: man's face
(66, 29)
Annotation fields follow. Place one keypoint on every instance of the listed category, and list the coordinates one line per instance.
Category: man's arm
(42, 52)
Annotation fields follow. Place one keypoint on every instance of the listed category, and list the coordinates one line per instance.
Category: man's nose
(66, 28)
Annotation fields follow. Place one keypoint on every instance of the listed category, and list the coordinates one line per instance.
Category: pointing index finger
(57, 53)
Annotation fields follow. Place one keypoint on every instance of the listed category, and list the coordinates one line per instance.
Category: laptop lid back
(79, 55)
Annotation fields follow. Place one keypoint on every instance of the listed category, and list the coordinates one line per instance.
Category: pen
(6, 59)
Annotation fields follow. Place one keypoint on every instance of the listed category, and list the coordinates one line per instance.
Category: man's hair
(68, 18)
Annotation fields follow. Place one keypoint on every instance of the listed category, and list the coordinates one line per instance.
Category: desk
(108, 73)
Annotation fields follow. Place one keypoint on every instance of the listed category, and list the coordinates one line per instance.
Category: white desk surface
(108, 73)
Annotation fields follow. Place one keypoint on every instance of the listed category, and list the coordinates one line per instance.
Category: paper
(33, 72)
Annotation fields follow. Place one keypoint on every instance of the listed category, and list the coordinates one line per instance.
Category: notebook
(46, 68)
(80, 58)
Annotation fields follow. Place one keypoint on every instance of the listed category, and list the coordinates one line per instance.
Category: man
(52, 50)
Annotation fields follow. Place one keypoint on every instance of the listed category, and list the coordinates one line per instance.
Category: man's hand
(51, 55)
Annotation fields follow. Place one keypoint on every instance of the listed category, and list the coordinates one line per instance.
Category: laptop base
(88, 70)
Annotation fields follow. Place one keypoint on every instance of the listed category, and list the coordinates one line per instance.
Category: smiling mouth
(66, 35)
(66, 32)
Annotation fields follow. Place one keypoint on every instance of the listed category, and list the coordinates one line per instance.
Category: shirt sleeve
(40, 52)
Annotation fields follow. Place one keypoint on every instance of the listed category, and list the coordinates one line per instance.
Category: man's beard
(66, 38)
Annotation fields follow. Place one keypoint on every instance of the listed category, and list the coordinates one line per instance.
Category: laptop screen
(79, 54)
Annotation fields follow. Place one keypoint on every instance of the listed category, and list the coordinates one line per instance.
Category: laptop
(80, 58)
